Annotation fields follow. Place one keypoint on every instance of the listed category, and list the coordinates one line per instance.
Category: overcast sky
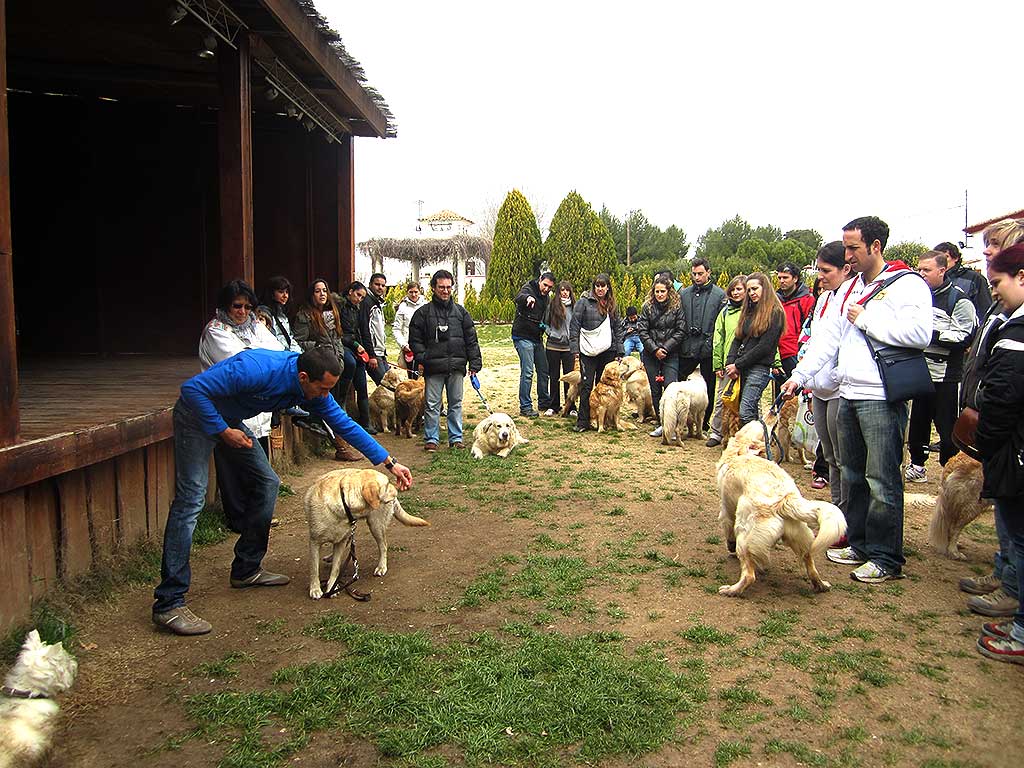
(797, 114)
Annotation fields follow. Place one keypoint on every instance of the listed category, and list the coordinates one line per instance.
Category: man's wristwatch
(389, 463)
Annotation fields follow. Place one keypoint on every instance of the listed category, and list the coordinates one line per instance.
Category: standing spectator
(317, 325)
(211, 411)
(1000, 435)
(725, 332)
(560, 359)
(701, 303)
(993, 594)
(797, 303)
(527, 329)
(274, 306)
(596, 336)
(662, 327)
(443, 339)
(871, 429)
(953, 323)
(834, 273)
(631, 341)
(414, 299)
(371, 327)
(752, 351)
(971, 281)
(356, 356)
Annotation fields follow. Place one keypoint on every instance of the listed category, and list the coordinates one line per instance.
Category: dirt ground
(610, 496)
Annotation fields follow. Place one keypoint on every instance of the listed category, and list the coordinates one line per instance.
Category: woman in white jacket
(414, 299)
(834, 273)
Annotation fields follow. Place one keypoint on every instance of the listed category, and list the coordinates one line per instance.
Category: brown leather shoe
(345, 454)
(181, 621)
(261, 579)
(458, 446)
(430, 447)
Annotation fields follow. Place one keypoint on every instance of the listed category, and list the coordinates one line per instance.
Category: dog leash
(347, 586)
(475, 381)
(18, 693)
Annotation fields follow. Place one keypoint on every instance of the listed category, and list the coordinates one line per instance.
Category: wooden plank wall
(54, 530)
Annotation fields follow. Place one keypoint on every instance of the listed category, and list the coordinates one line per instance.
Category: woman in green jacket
(725, 332)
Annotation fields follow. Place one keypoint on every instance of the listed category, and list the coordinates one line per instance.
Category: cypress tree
(517, 248)
(579, 245)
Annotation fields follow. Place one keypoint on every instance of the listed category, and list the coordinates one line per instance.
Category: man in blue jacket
(211, 409)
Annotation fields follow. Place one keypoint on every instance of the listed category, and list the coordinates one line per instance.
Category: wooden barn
(150, 150)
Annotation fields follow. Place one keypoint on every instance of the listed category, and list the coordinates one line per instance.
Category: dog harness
(347, 586)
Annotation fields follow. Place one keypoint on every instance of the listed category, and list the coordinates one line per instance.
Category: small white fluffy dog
(28, 713)
(496, 435)
(370, 496)
(761, 505)
(682, 407)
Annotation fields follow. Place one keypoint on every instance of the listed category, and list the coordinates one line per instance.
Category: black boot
(363, 419)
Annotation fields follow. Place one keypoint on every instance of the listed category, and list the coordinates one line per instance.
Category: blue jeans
(452, 384)
(632, 344)
(668, 368)
(249, 469)
(754, 382)
(532, 357)
(1005, 561)
(870, 450)
(1012, 513)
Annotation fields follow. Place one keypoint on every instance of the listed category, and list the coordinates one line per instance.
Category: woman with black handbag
(1000, 435)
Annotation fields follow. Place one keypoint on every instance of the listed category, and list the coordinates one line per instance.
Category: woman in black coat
(595, 334)
(661, 328)
(758, 330)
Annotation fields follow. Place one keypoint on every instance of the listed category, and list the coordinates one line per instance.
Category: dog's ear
(32, 640)
(371, 492)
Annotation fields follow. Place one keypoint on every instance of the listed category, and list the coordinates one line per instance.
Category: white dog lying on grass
(496, 435)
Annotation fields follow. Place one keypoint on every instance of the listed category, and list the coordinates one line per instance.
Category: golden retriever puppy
(637, 387)
(496, 435)
(572, 378)
(410, 399)
(682, 407)
(28, 712)
(369, 495)
(760, 506)
(606, 401)
(382, 401)
(958, 504)
(784, 426)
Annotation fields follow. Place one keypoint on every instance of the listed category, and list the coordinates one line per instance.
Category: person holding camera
(527, 336)
(701, 303)
(443, 339)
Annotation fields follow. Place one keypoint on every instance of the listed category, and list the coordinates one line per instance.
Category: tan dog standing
(370, 496)
(958, 504)
(382, 401)
(637, 387)
(572, 378)
(606, 401)
(410, 398)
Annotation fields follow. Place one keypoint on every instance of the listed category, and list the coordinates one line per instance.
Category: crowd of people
(825, 341)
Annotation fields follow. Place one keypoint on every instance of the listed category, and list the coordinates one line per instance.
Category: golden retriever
(370, 496)
(958, 504)
(410, 398)
(572, 378)
(382, 401)
(496, 435)
(760, 506)
(682, 407)
(637, 387)
(606, 401)
(784, 426)
(730, 418)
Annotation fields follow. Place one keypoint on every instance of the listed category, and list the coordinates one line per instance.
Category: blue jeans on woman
(668, 369)
(1006, 569)
(452, 384)
(870, 450)
(1012, 513)
(249, 469)
(532, 357)
(754, 381)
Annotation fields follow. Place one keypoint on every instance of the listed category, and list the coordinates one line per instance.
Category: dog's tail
(828, 518)
(406, 519)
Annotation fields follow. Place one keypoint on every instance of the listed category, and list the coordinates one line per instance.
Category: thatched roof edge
(428, 249)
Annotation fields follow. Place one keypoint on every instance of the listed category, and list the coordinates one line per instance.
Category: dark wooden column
(234, 125)
(9, 415)
(346, 211)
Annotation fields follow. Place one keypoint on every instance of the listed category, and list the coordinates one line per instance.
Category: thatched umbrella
(427, 250)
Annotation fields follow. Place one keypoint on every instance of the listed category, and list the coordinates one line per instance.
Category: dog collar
(18, 693)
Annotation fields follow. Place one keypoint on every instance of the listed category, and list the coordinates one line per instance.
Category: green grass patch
(225, 668)
(778, 624)
(705, 634)
(524, 700)
(728, 752)
(803, 754)
(211, 526)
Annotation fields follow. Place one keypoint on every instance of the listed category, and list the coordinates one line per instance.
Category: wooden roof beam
(291, 18)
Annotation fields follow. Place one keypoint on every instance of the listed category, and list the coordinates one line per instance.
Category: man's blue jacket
(262, 380)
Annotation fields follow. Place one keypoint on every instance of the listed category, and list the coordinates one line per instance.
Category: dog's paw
(380, 570)
(823, 586)
(956, 554)
(729, 590)
(316, 592)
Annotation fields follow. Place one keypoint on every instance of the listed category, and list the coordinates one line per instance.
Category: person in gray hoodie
(701, 303)
(561, 360)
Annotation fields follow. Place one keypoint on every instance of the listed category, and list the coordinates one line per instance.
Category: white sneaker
(549, 412)
(658, 431)
(916, 474)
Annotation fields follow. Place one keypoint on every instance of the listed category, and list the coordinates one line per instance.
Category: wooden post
(9, 415)
(346, 210)
(459, 294)
(234, 125)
